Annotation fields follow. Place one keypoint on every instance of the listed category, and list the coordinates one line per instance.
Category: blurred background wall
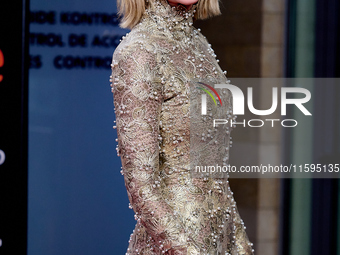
(77, 202)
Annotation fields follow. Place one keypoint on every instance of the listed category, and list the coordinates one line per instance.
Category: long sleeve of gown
(137, 91)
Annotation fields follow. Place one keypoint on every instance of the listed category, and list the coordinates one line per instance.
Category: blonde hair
(131, 11)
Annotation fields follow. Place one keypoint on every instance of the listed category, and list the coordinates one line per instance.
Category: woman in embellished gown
(160, 71)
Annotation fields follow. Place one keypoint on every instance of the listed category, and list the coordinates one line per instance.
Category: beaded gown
(162, 135)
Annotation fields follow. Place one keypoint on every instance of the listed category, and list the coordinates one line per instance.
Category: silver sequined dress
(156, 70)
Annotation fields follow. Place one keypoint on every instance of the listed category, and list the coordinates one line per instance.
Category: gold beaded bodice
(155, 73)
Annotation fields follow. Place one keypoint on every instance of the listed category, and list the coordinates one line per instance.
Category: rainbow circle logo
(209, 93)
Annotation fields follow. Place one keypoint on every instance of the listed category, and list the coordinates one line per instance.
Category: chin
(186, 2)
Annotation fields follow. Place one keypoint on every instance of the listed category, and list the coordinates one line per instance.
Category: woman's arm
(137, 89)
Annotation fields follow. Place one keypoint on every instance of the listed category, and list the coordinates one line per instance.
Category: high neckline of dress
(175, 21)
(171, 13)
(179, 9)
